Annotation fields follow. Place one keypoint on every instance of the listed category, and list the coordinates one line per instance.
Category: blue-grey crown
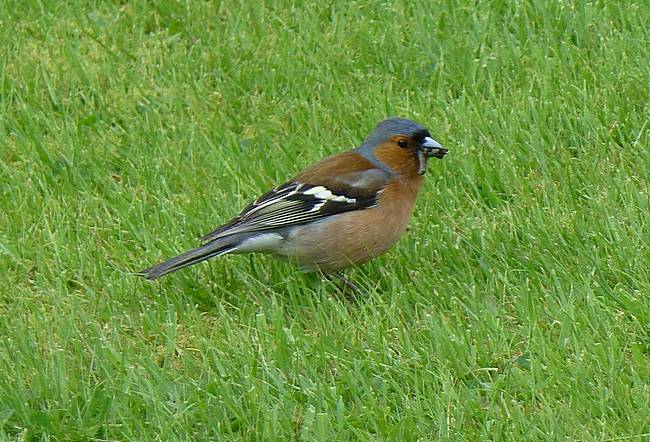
(391, 127)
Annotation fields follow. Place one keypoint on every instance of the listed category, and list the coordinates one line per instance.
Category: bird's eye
(402, 143)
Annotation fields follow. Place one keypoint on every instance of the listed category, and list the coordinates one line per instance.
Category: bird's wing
(343, 183)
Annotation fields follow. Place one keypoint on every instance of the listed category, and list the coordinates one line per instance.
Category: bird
(342, 211)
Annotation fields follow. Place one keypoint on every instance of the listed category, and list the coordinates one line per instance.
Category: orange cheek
(400, 160)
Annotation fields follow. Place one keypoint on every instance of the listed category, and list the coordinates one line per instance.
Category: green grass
(517, 307)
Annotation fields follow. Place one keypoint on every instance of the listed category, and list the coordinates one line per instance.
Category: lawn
(516, 307)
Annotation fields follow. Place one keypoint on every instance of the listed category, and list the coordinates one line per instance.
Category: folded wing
(311, 196)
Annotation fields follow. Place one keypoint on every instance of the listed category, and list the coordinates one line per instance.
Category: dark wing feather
(299, 202)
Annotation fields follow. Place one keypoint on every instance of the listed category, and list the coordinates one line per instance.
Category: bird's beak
(429, 148)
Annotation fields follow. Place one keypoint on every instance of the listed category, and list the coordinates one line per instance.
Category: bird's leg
(345, 282)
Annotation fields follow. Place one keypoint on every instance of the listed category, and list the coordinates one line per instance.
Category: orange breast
(356, 237)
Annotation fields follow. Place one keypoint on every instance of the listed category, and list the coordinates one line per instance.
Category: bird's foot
(344, 284)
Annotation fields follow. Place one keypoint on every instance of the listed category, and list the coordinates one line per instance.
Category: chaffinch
(342, 211)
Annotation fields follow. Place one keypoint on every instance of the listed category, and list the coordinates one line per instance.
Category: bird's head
(403, 145)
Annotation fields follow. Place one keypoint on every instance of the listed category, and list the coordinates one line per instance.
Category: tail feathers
(187, 259)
